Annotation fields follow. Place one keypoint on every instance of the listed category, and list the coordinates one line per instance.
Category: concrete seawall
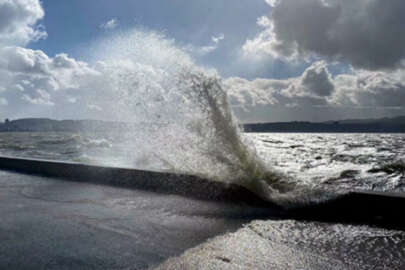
(160, 182)
(381, 209)
(358, 207)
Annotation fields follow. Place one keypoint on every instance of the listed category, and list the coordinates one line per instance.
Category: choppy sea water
(345, 161)
(341, 161)
(90, 148)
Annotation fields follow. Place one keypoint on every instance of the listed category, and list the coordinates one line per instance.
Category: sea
(340, 161)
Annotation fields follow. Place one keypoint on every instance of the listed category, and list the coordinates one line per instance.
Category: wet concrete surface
(54, 224)
(297, 245)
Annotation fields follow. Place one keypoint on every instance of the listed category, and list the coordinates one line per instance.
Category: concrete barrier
(357, 207)
(161, 182)
(382, 209)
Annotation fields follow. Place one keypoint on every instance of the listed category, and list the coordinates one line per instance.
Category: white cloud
(39, 80)
(94, 107)
(365, 33)
(30, 78)
(204, 50)
(271, 2)
(109, 25)
(3, 102)
(71, 99)
(370, 89)
(22, 60)
(263, 44)
(18, 22)
(246, 93)
(36, 83)
(42, 97)
(30, 67)
(312, 88)
(316, 87)
(18, 87)
(217, 39)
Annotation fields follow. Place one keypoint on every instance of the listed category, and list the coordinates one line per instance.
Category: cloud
(3, 102)
(71, 99)
(367, 34)
(265, 43)
(370, 89)
(312, 88)
(18, 22)
(37, 84)
(204, 50)
(42, 98)
(31, 67)
(109, 25)
(30, 80)
(316, 87)
(94, 107)
(22, 60)
(39, 80)
(317, 79)
(217, 39)
(32, 77)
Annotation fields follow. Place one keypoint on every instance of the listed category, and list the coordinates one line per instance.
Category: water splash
(185, 121)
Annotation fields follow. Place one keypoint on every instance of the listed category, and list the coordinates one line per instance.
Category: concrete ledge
(359, 207)
(161, 182)
(382, 209)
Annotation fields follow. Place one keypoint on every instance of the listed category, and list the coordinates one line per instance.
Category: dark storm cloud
(318, 80)
(368, 34)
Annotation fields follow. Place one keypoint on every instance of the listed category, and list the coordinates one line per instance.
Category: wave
(191, 128)
(397, 167)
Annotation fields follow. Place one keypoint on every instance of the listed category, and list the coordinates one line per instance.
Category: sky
(279, 60)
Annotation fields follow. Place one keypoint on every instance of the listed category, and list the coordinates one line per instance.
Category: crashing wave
(190, 126)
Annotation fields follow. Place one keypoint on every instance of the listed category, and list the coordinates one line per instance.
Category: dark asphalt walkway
(53, 224)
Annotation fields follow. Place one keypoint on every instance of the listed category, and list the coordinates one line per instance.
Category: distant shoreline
(383, 125)
(308, 127)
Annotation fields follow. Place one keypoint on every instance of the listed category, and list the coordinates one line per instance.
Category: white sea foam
(188, 126)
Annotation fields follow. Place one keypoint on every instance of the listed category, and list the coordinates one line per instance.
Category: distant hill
(49, 125)
(383, 125)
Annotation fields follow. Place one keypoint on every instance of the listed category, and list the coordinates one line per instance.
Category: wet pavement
(297, 245)
(53, 224)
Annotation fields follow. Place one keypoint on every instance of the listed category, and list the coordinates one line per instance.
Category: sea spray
(226, 146)
(185, 121)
